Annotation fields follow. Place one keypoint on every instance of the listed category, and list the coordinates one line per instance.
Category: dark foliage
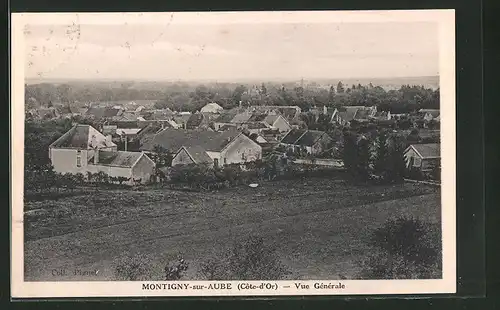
(405, 248)
(250, 259)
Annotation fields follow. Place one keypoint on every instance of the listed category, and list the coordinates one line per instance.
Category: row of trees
(46, 180)
(381, 157)
(190, 97)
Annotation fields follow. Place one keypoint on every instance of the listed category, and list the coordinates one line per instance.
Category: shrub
(404, 248)
(250, 259)
(175, 270)
(133, 268)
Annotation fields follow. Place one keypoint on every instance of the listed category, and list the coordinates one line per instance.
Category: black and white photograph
(233, 153)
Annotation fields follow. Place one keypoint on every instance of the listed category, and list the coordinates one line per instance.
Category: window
(417, 162)
(243, 156)
(216, 162)
(79, 158)
(225, 161)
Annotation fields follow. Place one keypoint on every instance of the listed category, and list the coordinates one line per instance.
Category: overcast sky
(224, 52)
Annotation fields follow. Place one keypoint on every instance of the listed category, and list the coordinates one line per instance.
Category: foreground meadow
(320, 227)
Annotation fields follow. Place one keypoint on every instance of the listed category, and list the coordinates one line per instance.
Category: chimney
(96, 156)
(109, 140)
(325, 110)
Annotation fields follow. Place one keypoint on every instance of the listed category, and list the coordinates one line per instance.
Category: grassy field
(320, 227)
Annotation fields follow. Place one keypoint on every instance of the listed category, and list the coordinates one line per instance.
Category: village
(279, 170)
(135, 143)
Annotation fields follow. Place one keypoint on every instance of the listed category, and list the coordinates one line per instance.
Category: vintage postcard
(233, 153)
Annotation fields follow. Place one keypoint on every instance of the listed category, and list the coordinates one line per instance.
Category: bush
(250, 259)
(404, 248)
(133, 268)
(175, 270)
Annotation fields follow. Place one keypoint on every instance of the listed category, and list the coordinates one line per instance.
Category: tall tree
(363, 156)
(340, 87)
(381, 164)
(397, 162)
(331, 94)
(349, 152)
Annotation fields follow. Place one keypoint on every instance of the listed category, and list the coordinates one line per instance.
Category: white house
(424, 157)
(84, 149)
(193, 146)
(211, 108)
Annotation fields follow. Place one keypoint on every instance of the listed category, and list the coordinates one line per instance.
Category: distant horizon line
(224, 80)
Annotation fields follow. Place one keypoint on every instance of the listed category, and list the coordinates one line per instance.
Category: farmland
(319, 227)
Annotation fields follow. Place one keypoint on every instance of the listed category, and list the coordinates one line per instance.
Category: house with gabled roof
(84, 149)
(188, 155)
(227, 147)
(313, 141)
(429, 114)
(103, 113)
(201, 120)
(424, 157)
(347, 114)
(288, 112)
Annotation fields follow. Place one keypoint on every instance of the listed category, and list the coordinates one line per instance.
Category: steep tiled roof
(257, 117)
(270, 119)
(434, 112)
(292, 136)
(430, 150)
(80, 136)
(181, 118)
(310, 137)
(302, 137)
(198, 154)
(226, 117)
(117, 159)
(241, 117)
(348, 114)
(257, 125)
(99, 112)
(199, 119)
(174, 139)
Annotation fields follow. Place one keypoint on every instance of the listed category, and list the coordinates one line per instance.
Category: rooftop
(117, 159)
(429, 150)
(173, 139)
(82, 137)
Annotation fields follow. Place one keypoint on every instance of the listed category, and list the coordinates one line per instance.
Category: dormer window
(79, 158)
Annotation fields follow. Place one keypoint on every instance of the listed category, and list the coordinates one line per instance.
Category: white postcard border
(446, 21)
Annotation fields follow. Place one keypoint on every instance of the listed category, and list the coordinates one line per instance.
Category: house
(256, 128)
(278, 122)
(83, 149)
(224, 120)
(103, 113)
(223, 148)
(191, 155)
(211, 108)
(290, 113)
(181, 119)
(313, 141)
(381, 116)
(275, 121)
(201, 120)
(157, 115)
(429, 114)
(345, 115)
(424, 157)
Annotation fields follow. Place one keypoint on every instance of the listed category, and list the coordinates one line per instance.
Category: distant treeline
(190, 97)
